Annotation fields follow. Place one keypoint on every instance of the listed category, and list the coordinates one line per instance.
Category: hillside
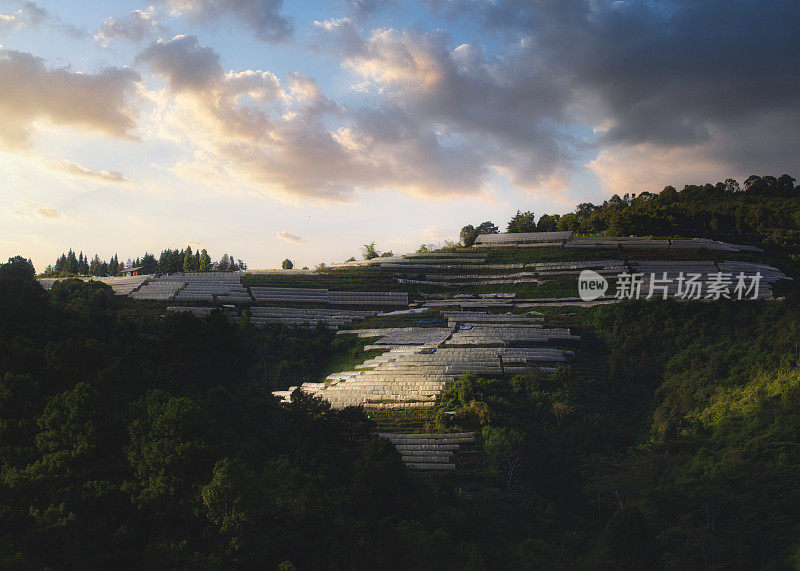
(463, 408)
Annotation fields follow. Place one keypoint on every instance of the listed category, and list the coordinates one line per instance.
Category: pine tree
(95, 267)
(72, 263)
(187, 260)
(204, 264)
(113, 266)
(148, 263)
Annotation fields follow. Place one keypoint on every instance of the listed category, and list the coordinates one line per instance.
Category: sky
(303, 130)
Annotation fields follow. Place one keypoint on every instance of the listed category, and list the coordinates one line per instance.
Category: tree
(487, 228)
(83, 264)
(188, 260)
(113, 266)
(505, 449)
(785, 185)
(96, 266)
(72, 262)
(369, 252)
(231, 496)
(287, 264)
(167, 444)
(204, 264)
(18, 268)
(560, 410)
(548, 223)
(149, 263)
(753, 184)
(468, 235)
(68, 427)
(585, 209)
(569, 221)
(522, 222)
(732, 185)
(669, 195)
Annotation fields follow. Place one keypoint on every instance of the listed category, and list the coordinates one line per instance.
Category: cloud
(136, 26)
(96, 102)
(31, 15)
(679, 79)
(728, 153)
(28, 15)
(291, 238)
(262, 16)
(80, 170)
(505, 115)
(361, 9)
(47, 212)
(292, 141)
(184, 63)
(558, 87)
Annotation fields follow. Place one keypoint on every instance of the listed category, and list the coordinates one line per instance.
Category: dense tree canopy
(757, 212)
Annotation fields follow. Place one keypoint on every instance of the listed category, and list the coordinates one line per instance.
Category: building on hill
(137, 271)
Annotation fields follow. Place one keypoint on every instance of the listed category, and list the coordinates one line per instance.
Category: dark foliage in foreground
(131, 440)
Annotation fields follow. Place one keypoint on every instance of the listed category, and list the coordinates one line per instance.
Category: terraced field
(417, 322)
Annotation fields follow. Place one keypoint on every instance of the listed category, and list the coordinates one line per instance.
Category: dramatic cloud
(290, 238)
(91, 101)
(136, 26)
(80, 170)
(509, 114)
(730, 152)
(278, 136)
(262, 16)
(680, 77)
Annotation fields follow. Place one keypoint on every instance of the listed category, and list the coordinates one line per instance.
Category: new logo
(591, 285)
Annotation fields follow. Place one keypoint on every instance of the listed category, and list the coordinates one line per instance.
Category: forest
(765, 210)
(170, 261)
(134, 439)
